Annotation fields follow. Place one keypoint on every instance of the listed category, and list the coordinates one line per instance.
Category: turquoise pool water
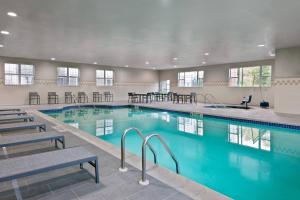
(240, 160)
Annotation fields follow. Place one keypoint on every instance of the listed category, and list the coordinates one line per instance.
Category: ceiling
(131, 32)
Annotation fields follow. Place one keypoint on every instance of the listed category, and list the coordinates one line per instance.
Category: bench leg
(56, 144)
(96, 171)
(81, 166)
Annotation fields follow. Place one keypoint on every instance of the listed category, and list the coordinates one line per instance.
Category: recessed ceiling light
(174, 66)
(1, 45)
(175, 58)
(147, 62)
(126, 65)
(261, 45)
(53, 58)
(154, 68)
(12, 14)
(95, 63)
(5, 32)
(206, 54)
(203, 63)
(272, 53)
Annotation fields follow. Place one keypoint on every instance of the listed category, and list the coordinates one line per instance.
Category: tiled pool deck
(73, 183)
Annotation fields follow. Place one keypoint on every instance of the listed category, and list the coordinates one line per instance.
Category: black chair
(52, 98)
(193, 97)
(170, 96)
(69, 97)
(97, 97)
(34, 98)
(246, 100)
(82, 97)
(108, 97)
(132, 97)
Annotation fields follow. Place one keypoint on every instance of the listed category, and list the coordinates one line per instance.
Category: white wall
(287, 81)
(126, 80)
(216, 83)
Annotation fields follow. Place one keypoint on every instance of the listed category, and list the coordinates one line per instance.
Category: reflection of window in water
(251, 137)
(104, 127)
(165, 117)
(74, 124)
(190, 125)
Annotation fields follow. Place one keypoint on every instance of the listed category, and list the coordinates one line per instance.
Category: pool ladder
(146, 139)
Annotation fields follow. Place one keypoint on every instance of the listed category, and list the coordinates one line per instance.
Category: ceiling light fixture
(206, 54)
(5, 33)
(1, 45)
(53, 58)
(175, 58)
(203, 63)
(261, 45)
(272, 53)
(12, 14)
(147, 62)
(174, 66)
(95, 63)
(126, 65)
(154, 68)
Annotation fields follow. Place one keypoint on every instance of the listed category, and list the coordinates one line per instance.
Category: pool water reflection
(241, 160)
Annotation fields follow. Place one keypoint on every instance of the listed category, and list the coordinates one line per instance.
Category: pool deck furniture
(52, 98)
(9, 118)
(108, 97)
(132, 97)
(34, 98)
(82, 97)
(23, 125)
(182, 98)
(246, 101)
(13, 140)
(69, 97)
(10, 109)
(97, 97)
(13, 113)
(14, 168)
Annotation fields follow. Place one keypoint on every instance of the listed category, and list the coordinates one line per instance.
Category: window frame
(68, 77)
(167, 84)
(200, 81)
(240, 77)
(19, 74)
(105, 78)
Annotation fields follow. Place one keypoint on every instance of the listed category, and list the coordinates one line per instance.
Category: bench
(25, 118)
(13, 113)
(14, 168)
(23, 125)
(13, 140)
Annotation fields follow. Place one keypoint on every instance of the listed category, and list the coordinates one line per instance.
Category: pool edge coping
(182, 184)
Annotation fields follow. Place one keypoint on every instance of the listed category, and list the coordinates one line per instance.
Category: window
(257, 76)
(18, 74)
(165, 86)
(104, 77)
(67, 76)
(190, 79)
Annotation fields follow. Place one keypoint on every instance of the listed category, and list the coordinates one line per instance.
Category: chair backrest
(95, 93)
(130, 93)
(193, 94)
(81, 94)
(33, 94)
(51, 93)
(68, 94)
(106, 93)
(249, 99)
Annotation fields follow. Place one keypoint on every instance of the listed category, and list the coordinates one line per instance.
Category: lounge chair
(23, 125)
(82, 97)
(246, 100)
(10, 109)
(52, 98)
(13, 113)
(132, 97)
(13, 140)
(14, 168)
(97, 97)
(69, 97)
(9, 118)
(108, 96)
(34, 98)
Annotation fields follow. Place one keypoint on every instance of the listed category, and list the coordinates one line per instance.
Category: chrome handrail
(123, 168)
(144, 181)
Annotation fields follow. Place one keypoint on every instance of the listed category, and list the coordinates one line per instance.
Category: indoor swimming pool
(239, 159)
